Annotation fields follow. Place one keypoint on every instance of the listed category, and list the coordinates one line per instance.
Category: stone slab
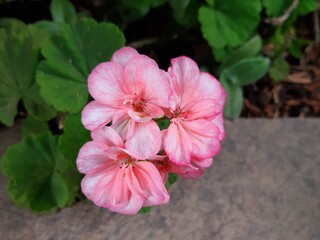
(265, 184)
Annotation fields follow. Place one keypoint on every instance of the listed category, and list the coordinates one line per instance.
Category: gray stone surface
(265, 184)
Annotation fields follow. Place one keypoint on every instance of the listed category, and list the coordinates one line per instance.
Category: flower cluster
(128, 160)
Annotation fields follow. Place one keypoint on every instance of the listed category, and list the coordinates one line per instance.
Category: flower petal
(123, 55)
(105, 84)
(123, 124)
(93, 158)
(151, 183)
(111, 189)
(204, 136)
(118, 153)
(107, 135)
(218, 121)
(204, 163)
(176, 144)
(191, 86)
(187, 172)
(145, 79)
(152, 110)
(145, 141)
(203, 108)
(184, 73)
(96, 115)
(138, 116)
(188, 139)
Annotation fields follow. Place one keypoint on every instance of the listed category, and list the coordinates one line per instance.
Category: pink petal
(107, 135)
(89, 185)
(218, 121)
(153, 110)
(123, 55)
(123, 124)
(151, 183)
(111, 189)
(105, 84)
(118, 153)
(203, 163)
(210, 87)
(138, 116)
(144, 78)
(184, 73)
(176, 144)
(93, 157)
(145, 141)
(187, 139)
(190, 86)
(204, 136)
(187, 172)
(203, 108)
(96, 115)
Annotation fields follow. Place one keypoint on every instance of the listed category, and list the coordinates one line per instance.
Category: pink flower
(115, 179)
(196, 105)
(191, 171)
(130, 91)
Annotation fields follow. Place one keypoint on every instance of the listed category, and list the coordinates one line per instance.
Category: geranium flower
(115, 179)
(196, 105)
(130, 91)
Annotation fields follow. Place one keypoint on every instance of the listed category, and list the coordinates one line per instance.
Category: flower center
(178, 113)
(125, 162)
(138, 105)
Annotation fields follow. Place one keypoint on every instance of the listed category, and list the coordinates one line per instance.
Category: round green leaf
(17, 76)
(59, 189)
(275, 8)
(69, 59)
(234, 99)
(250, 49)
(229, 22)
(31, 125)
(73, 138)
(144, 4)
(247, 71)
(63, 11)
(279, 69)
(38, 174)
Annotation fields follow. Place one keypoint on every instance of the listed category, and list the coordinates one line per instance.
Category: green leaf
(188, 16)
(63, 11)
(234, 100)
(37, 174)
(247, 71)
(229, 22)
(145, 210)
(73, 138)
(70, 57)
(12, 25)
(275, 8)
(172, 178)
(163, 123)
(306, 6)
(17, 74)
(59, 189)
(143, 4)
(49, 26)
(279, 69)
(179, 6)
(31, 125)
(250, 49)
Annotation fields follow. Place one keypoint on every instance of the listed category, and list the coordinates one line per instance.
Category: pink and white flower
(115, 179)
(130, 91)
(196, 105)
